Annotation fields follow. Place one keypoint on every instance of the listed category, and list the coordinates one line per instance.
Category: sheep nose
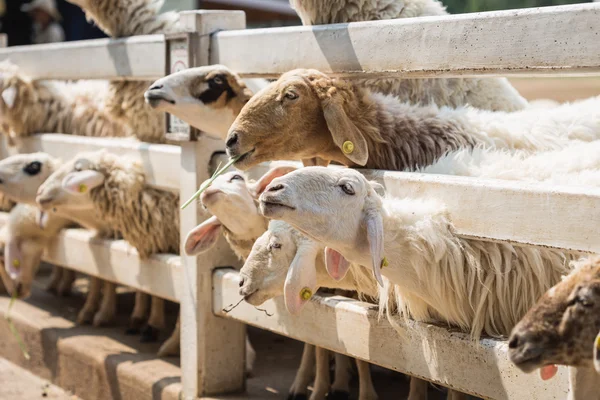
(232, 140)
(275, 188)
(241, 281)
(515, 341)
(156, 87)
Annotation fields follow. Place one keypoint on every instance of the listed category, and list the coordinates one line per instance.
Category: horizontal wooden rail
(550, 40)
(135, 58)
(160, 161)
(431, 352)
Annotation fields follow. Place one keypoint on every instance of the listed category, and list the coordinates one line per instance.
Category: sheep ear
(597, 353)
(337, 266)
(203, 237)
(259, 186)
(374, 224)
(343, 131)
(378, 188)
(81, 182)
(9, 95)
(301, 280)
(13, 259)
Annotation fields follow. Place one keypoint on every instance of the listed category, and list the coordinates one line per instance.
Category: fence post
(212, 348)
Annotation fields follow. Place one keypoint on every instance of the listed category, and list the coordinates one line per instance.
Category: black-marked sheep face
(21, 175)
(69, 187)
(208, 98)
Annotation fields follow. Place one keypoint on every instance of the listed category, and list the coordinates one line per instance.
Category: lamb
(29, 107)
(306, 114)
(20, 177)
(118, 18)
(562, 328)
(235, 213)
(495, 94)
(114, 187)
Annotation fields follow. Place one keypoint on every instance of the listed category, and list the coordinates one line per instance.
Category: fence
(546, 41)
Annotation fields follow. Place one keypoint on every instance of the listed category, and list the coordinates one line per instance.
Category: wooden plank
(134, 58)
(424, 350)
(161, 162)
(549, 40)
(525, 213)
(118, 262)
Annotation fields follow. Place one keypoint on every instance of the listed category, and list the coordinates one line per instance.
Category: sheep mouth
(271, 208)
(155, 98)
(527, 363)
(244, 157)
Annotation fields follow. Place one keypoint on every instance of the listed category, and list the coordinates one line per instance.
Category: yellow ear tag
(598, 342)
(16, 263)
(384, 262)
(306, 294)
(82, 188)
(348, 147)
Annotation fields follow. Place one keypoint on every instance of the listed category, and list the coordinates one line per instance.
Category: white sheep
(307, 114)
(231, 200)
(494, 94)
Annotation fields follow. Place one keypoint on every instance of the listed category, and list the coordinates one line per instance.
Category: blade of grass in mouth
(13, 328)
(205, 185)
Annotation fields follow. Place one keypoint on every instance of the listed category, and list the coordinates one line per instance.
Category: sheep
(28, 107)
(125, 102)
(432, 274)
(208, 98)
(20, 178)
(306, 114)
(495, 94)
(235, 213)
(562, 328)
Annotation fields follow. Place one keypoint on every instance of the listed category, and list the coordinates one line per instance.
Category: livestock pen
(552, 41)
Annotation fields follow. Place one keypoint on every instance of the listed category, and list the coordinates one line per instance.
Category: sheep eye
(584, 302)
(236, 177)
(274, 246)
(33, 168)
(217, 80)
(291, 96)
(348, 189)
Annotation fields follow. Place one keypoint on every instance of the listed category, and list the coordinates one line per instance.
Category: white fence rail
(557, 40)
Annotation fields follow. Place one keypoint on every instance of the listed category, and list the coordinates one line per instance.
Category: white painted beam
(118, 262)
(134, 58)
(161, 161)
(564, 217)
(549, 40)
(424, 350)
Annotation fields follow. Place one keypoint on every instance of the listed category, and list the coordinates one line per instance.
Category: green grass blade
(13, 328)
(206, 184)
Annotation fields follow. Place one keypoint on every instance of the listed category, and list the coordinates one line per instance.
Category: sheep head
(282, 262)
(17, 94)
(208, 98)
(302, 115)
(562, 327)
(21, 175)
(338, 207)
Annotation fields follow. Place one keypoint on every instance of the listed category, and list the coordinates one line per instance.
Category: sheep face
(338, 207)
(70, 186)
(21, 175)
(562, 327)
(284, 121)
(16, 95)
(208, 98)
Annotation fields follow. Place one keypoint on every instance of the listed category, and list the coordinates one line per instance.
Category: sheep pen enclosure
(551, 41)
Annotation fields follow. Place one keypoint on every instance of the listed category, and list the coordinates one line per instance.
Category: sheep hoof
(101, 320)
(85, 317)
(297, 396)
(149, 334)
(135, 326)
(338, 395)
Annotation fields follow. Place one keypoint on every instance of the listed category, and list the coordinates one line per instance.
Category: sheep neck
(241, 245)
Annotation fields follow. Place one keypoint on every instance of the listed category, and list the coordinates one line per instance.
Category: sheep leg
(418, 389)
(108, 307)
(55, 278)
(138, 316)
(92, 302)
(340, 388)
(306, 371)
(66, 282)
(250, 357)
(156, 321)
(322, 378)
(366, 389)
(455, 395)
(171, 346)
